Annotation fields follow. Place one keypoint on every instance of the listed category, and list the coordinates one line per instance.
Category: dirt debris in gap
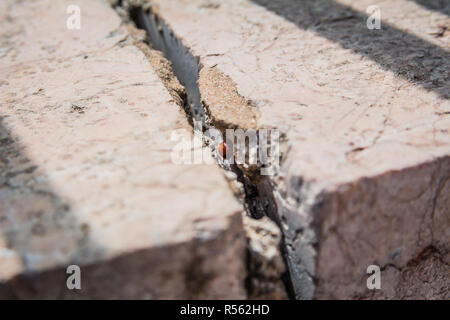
(265, 264)
(224, 106)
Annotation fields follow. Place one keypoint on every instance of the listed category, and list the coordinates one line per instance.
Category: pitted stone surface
(365, 114)
(86, 175)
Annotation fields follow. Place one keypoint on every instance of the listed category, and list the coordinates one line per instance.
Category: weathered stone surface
(365, 120)
(86, 175)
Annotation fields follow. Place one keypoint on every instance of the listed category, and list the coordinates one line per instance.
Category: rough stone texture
(223, 104)
(365, 121)
(86, 175)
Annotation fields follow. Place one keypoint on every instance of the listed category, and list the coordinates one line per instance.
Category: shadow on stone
(38, 229)
(442, 6)
(412, 58)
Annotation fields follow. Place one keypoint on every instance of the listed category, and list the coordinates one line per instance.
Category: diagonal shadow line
(406, 55)
(31, 214)
(442, 6)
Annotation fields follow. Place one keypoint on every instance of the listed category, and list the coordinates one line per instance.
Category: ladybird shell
(223, 149)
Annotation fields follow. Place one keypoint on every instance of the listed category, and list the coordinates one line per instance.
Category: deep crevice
(186, 68)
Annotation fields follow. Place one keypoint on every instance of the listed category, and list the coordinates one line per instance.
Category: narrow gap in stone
(186, 69)
(185, 65)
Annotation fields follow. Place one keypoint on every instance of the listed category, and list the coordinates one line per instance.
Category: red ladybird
(223, 149)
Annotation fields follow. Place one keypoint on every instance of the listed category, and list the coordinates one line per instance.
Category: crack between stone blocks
(180, 71)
